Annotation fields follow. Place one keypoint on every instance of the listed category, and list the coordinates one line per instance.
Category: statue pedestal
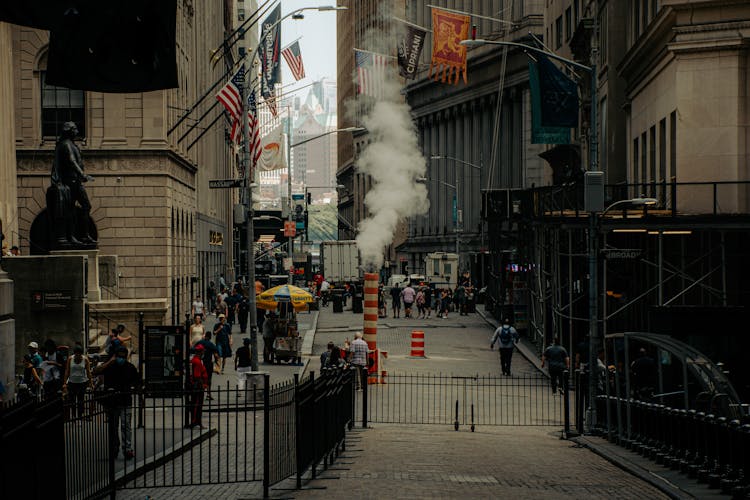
(94, 293)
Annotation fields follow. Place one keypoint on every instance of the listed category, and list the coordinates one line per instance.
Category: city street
(426, 461)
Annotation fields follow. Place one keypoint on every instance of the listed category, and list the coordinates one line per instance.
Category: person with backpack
(507, 337)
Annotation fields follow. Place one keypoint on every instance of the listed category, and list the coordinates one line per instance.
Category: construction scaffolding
(678, 268)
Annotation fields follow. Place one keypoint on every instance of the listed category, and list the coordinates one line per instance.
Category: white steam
(394, 161)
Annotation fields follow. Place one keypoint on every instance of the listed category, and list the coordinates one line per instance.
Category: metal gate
(473, 400)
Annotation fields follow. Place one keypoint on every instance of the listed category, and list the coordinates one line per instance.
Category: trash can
(357, 303)
(337, 297)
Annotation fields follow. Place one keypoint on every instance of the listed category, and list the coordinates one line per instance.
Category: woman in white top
(197, 330)
(198, 307)
(77, 378)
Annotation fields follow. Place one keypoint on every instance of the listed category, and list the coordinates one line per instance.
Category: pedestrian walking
(223, 335)
(408, 295)
(196, 309)
(382, 313)
(557, 360)
(122, 379)
(269, 326)
(36, 358)
(242, 363)
(210, 357)
(51, 370)
(232, 301)
(31, 382)
(358, 351)
(77, 379)
(420, 304)
(396, 301)
(507, 337)
(243, 311)
(198, 386)
(211, 296)
(197, 330)
(221, 306)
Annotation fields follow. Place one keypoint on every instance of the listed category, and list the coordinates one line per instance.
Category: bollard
(417, 344)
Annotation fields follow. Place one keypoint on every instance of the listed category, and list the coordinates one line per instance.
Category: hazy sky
(318, 42)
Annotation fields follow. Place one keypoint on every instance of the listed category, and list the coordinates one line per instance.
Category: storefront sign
(622, 253)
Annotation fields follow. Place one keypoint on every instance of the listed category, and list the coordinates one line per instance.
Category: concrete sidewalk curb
(526, 351)
(668, 488)
(309, 340)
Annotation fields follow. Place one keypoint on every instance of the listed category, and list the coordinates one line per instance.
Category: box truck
(339, 261)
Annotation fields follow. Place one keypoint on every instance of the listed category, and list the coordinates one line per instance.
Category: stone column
(8, 212)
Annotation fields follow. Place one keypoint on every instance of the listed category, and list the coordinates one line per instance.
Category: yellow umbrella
(286, 293)
(270, 305)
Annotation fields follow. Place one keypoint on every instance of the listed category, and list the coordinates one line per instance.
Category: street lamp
(593, 168)
(459, 220)
(249, 198)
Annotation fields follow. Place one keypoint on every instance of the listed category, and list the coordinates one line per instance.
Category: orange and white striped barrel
(417, 344)
(370, 326)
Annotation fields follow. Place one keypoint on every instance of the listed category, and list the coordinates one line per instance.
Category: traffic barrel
(417, 344)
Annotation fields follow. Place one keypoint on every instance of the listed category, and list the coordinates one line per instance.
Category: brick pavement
(399, 461)
(406, 461)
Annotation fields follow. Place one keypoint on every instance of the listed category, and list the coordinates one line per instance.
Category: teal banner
(540, 134)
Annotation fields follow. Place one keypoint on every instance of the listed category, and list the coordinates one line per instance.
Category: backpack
(505, 335)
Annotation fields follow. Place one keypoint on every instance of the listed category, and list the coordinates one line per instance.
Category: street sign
(289, 229)
(225, 183)
(621, 253)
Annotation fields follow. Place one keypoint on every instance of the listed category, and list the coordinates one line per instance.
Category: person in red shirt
(198, 384)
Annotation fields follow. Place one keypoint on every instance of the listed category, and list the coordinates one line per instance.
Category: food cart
(287, 300)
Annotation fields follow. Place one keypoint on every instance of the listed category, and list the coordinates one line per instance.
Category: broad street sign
(622, 253)
(225, 183)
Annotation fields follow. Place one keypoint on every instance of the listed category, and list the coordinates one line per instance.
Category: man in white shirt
(197, 309)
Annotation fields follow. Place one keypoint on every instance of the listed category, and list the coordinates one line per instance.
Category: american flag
(236, 134)
(370, 73)
(293, 58)
(229, 95)
(254, 134)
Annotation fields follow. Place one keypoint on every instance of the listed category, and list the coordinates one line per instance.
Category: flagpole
(374, 53)
(411, 24)
(291, 43)
(501, 21)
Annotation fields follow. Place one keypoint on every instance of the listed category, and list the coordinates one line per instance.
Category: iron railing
(674, 198)
(712, 449)
(474, 400)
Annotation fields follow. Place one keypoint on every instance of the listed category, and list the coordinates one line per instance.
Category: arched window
(60, 105)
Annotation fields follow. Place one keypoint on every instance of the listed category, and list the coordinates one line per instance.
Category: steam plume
(394, 161)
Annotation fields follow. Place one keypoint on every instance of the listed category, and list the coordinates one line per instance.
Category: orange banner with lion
(448, 55)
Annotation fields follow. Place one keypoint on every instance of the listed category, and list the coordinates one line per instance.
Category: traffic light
(309, 198)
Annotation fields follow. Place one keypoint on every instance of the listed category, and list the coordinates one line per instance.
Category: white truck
(339, 261)
(442, 268)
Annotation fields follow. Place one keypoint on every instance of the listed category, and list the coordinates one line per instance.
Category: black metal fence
(465, 400)
(180, 438)
(712, 449)
(28, 431)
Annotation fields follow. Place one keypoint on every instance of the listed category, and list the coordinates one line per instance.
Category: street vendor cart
(287, 300)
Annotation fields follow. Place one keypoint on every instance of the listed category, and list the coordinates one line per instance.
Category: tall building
(314, 160)
(151, 202)
(475, 135)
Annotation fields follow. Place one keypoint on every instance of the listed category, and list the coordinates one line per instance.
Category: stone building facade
(150, 196)
(8, 212)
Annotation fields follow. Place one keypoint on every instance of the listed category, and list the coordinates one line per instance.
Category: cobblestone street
(397, 461)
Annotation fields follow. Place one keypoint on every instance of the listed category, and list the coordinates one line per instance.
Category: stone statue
(70, 223)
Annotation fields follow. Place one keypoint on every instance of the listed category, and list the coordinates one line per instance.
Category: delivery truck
(340, 261)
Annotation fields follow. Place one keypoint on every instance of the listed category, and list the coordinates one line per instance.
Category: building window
(644, 15)
(663, 150)
(558, 32)
(603, 37)
(240, 14)
(644, 161)
(568, 24)
(242, 51)
(673, 146)
(635, 160)
(60, 105)
(652, 156)
(603, 131)
(577, 11)
(636, 20)
(654, 9)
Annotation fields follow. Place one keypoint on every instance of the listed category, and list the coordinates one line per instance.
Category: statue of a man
(68, 179)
